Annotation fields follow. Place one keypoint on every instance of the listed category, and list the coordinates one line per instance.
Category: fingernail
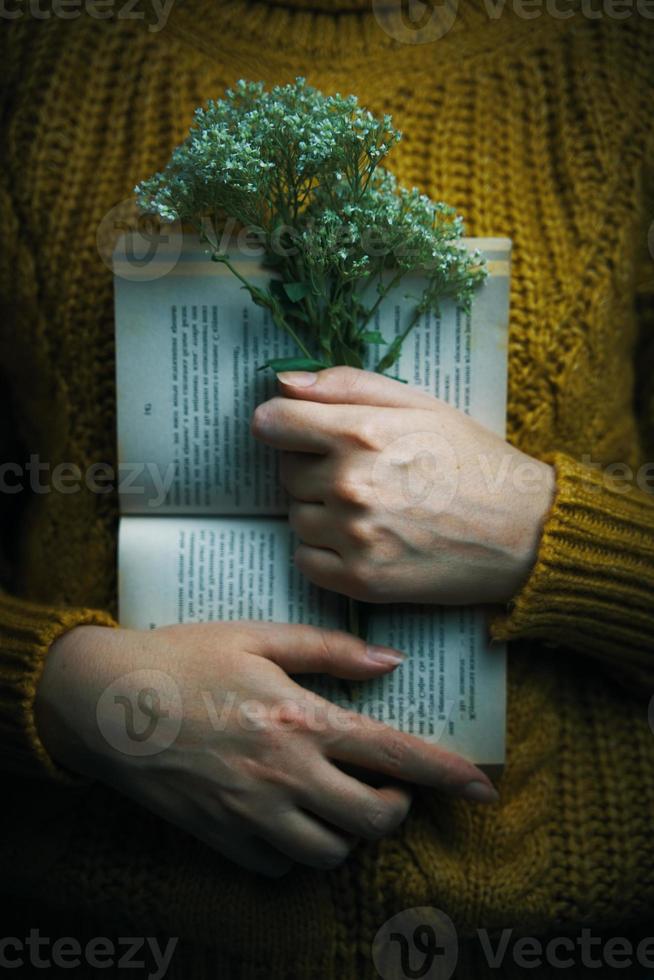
(298, 379)
(382, 655)
(479, 792)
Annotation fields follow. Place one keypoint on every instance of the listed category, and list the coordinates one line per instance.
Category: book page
(461, 358)
(190, 570)
(188, 345)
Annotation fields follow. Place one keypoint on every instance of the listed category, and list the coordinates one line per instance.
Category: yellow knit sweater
(539, 129)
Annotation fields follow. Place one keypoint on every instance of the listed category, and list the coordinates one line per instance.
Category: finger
(310, 523)
(301, 649)
(304, 476)
(352, 386)
(301, 426)
(369, 743)
(326, 569)
(303, 838)
(351, 805)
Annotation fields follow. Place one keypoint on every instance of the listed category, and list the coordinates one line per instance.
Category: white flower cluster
(271, 146)
(303, 168)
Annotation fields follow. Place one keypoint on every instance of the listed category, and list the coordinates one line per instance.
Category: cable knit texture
(536, 129)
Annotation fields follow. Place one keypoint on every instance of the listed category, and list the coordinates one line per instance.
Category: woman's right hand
(202, 724)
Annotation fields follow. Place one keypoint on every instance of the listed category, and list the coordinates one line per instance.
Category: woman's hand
(202, 724)
(399, 497)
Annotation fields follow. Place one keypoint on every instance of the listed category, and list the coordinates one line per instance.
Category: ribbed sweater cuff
(27, 631)
(592, 587)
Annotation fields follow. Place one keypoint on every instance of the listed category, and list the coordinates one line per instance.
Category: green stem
(278, 318)
(283, 323)
(382, 295)
(385, 362)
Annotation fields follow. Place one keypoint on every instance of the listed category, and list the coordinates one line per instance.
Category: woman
(536, 128)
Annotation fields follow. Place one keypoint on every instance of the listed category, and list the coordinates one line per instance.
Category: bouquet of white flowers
(301, 172)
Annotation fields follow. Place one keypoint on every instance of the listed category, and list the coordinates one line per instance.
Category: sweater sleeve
(27, 631)
(592, 586)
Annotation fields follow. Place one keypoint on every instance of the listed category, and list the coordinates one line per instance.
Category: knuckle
(252, 769)
(361, 532)
(342, 372)
(350, 491)
(393, 752)
(261, 772)
(348, 378)
(270, 737)
(290, 716)
(261, 418)
(326, 651)
(238, 803)
(367, 435)
(267, 415)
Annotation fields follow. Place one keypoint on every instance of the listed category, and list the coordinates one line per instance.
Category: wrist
(67, 692)
(532, 502)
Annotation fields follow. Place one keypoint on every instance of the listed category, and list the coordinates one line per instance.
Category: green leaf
(293, 364)
(296, 290)
(373, 337)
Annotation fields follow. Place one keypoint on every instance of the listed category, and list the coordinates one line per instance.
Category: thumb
(352, 386)
(310, 650)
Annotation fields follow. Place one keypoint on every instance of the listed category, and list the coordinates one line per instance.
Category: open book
(203, 534)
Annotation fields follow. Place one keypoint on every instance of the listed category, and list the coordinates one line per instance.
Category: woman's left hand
(400, 497)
